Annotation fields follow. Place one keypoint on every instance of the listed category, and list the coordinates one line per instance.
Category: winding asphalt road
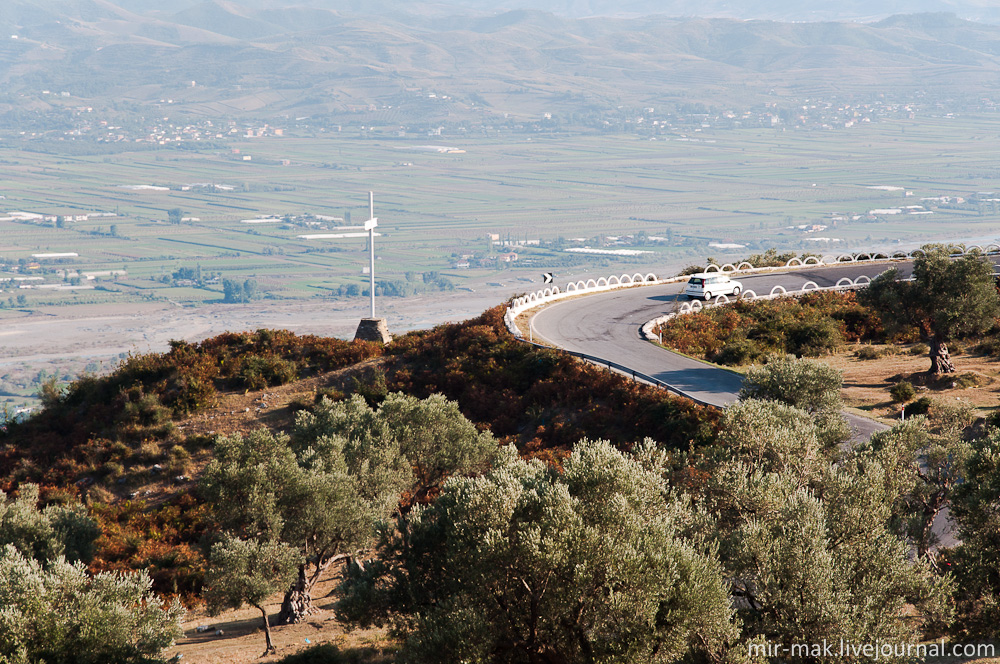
(606, 325)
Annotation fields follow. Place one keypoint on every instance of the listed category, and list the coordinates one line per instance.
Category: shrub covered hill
(132, 443)
(484, 500)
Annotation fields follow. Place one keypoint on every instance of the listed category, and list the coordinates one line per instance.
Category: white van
(706, 285)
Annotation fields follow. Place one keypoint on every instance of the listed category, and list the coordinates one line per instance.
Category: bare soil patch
(237, 637)
(867, 382)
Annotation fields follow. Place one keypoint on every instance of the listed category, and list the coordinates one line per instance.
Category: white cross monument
(372, 328)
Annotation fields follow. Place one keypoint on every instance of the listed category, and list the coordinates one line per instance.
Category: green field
(729, 186)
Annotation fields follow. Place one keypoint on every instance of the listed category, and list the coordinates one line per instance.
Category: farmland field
(670, 197)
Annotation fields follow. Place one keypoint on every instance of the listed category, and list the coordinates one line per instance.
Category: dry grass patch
(867, 381)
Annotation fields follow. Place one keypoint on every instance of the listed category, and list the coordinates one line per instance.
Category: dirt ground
(237, 637)
(867, 382)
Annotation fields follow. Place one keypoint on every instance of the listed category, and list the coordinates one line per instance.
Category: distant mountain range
(775, 10)
(266, 57)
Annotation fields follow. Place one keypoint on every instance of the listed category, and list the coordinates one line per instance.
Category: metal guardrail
(637, 376)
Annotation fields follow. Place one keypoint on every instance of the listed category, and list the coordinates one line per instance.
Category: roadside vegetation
(947, 300)
(750, 331)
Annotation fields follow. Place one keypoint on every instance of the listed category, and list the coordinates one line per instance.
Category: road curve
(607, 325)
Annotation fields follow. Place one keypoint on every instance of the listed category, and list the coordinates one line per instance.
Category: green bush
(902, 391)
(868, 353)
(328, 653)
(259, 371)
(741, 351)
(141, 408)
(919, 407)
(812, 338)
(112, 469)
(922, 349)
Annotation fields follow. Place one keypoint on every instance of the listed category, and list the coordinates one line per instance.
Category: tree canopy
(948, 298)
(324, 490)
(808, 385)
(52, 610)
(527, 564)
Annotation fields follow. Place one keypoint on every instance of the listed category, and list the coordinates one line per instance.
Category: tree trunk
(298, 600)
(267, 632)
(940, 359)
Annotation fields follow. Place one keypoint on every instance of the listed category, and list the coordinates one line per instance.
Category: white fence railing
(582, 287)
(553, 293)
(846, 259)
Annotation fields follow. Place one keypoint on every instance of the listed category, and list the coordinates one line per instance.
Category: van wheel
(708, 296)
(736, 292)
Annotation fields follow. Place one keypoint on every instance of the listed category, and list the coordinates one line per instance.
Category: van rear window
(696, 281)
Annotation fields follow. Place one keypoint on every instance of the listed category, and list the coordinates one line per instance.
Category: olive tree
(947, 298)
(57, 612)
(324, 490)
(260, 492)
(976, 510)
(809, 385)
(48, 533)
(52, 610)
(529, 564)
(248, 572)
(807, 543)
(923, 468)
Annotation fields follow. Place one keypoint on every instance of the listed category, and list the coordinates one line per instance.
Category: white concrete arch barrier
(794, 262)
(809, 285)
(859, 282)
(849, 257)
(844, 282)
(696, 306)
(729, 267)
(748, 295)
(858, 257)
(829, 258)
(913, 254)
(992, 248)
(715, 268)
(778, 290)
(722, 299)
(552, 293)
(812, 260)
(685, 308)
(899, 253)
(975, 247)
(740, 267)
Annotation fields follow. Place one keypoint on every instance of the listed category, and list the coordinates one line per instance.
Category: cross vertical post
(371, 223)
(371, 328)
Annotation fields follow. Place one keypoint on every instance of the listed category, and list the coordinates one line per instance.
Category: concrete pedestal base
(373, 329)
